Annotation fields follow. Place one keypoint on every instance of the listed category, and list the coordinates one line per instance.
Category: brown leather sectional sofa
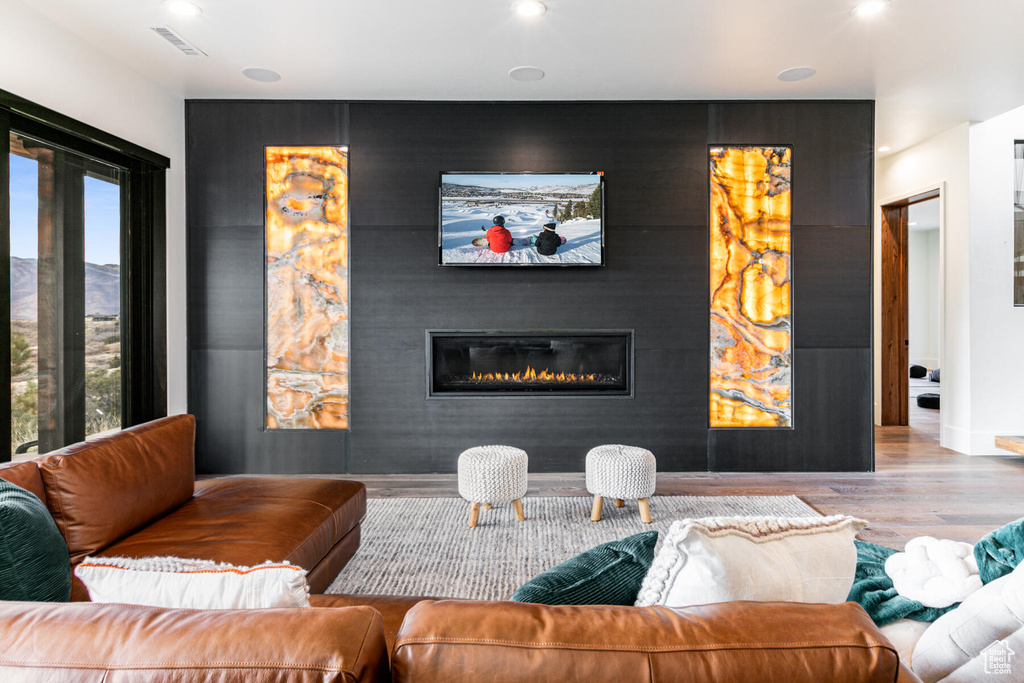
(134, 494)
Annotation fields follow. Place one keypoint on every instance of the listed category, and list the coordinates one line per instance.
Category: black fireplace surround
(569, 363)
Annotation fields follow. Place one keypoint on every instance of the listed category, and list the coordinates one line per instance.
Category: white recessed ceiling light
(184, 8)
(526, 73)
(912, 223)
(797, 73)
(261, 75)
(870, 8)
(529, 8)
(883, 149)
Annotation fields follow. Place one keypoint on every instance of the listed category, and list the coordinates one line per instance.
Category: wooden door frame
(894, 326)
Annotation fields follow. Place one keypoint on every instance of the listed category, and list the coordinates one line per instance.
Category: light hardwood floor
(918, 488)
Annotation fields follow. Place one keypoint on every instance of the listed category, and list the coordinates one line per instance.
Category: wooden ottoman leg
(474, 513)
(518, 505)
(619, 503)
(595, 512)
(487, 506)
(645, 511)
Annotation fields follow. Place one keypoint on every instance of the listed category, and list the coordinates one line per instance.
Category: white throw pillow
(936, 573)
(719, 559)
(197, 584)
(981, 640)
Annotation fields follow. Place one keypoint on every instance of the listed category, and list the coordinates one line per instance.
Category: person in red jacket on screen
(498, 237)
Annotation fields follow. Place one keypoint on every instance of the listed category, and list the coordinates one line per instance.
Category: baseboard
(984, 443)
(956, 439)
(973, 443)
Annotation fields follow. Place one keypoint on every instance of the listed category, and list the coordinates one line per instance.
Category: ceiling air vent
(175, 39)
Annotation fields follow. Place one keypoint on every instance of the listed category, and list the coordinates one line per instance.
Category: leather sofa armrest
(737, 642)
(92, 642)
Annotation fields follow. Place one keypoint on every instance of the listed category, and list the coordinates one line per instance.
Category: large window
(82, 215)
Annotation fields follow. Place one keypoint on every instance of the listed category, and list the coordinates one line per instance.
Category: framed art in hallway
(1018, 223)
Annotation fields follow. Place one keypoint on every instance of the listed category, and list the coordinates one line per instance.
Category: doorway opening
(911, 315)
(923, 286)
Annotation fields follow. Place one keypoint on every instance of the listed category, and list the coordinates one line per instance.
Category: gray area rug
(424, 546)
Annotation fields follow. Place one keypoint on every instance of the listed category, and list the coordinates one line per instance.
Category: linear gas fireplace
(571, 363)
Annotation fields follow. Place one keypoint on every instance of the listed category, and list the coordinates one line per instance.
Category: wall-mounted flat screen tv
(521, 219)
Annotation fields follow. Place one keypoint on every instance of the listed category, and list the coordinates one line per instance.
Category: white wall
(983, 333)
(48, 65)
(923, 296)
(997, 328)
(939, 162)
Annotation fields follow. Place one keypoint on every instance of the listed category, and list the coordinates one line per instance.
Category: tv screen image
(499, 219)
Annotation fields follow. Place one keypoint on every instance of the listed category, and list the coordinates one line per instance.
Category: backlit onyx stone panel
(751, 381)
(307, 288)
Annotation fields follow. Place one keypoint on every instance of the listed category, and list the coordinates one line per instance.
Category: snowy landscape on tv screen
(525, 202)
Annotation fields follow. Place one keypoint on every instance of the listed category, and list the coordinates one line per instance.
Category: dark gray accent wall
(654, 156)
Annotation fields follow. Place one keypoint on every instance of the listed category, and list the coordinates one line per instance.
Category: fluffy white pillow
(719, 559)
(198, 584)
(936, 573)
(973, 642)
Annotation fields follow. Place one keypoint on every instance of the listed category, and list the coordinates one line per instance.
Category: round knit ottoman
(492, 474)
(621, 472)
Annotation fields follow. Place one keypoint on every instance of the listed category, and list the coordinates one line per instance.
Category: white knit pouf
(621, 472)
(492, 474)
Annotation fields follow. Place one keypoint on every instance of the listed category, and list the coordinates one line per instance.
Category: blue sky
(102, 215)
(519, 180)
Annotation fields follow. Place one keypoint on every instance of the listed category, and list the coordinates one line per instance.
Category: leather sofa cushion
(102, 490)
(739, 642)
(89, 643)
(26, 475)
(391, 607)
(322, 576)
(248, 520)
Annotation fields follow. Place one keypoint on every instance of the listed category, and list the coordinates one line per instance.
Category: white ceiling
(929, 64)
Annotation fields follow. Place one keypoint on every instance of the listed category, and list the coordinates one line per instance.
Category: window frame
(143, 252)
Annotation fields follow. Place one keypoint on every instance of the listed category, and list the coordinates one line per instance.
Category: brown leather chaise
(134, 494)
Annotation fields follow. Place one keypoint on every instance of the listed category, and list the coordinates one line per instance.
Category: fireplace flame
(531, 375)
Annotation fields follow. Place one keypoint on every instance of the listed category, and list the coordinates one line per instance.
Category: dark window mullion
(143, 299)
(74, 298)
(5, 277)
(50, 303)
(124, 179)
(61, 297)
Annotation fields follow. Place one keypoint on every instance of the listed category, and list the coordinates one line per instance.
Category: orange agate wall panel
(307, 288)
(751, 341)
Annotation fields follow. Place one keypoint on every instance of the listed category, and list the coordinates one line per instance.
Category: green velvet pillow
(34, 563)
(609, 574)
